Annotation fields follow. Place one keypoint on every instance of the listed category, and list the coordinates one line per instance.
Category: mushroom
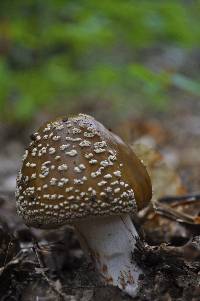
(77, 172)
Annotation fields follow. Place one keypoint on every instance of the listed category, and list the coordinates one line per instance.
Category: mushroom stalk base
(110, 242)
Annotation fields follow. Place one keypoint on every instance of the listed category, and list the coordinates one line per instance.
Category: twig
(180, 200)
(83, 287)
(165, 206)
(42, 271)
(20, 256)
(7, 251)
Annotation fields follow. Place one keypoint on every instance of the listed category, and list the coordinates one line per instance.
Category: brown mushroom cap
(75, 168)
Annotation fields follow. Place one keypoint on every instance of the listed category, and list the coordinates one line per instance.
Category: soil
(50, 265)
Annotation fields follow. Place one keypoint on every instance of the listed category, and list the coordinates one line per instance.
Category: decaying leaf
(165, 181)
(168, 207)
(135, 128)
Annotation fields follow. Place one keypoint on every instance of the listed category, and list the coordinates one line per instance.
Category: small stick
(42, 266)
(187, 199)
(16, 259)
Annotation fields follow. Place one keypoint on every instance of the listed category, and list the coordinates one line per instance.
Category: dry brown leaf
(165, 181)
(133, 129)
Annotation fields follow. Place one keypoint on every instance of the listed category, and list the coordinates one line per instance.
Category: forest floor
(54, 268)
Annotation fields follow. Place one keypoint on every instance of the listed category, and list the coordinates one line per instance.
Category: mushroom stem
(110, 242)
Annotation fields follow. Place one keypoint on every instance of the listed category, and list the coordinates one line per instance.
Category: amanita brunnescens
(77, 172)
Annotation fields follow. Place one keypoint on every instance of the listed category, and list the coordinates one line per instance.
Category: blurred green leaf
(55, 55)
(186, 84)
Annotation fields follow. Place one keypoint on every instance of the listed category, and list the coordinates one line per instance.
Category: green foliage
(56, 54)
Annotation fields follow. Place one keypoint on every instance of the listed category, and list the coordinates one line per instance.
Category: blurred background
(107, 58)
